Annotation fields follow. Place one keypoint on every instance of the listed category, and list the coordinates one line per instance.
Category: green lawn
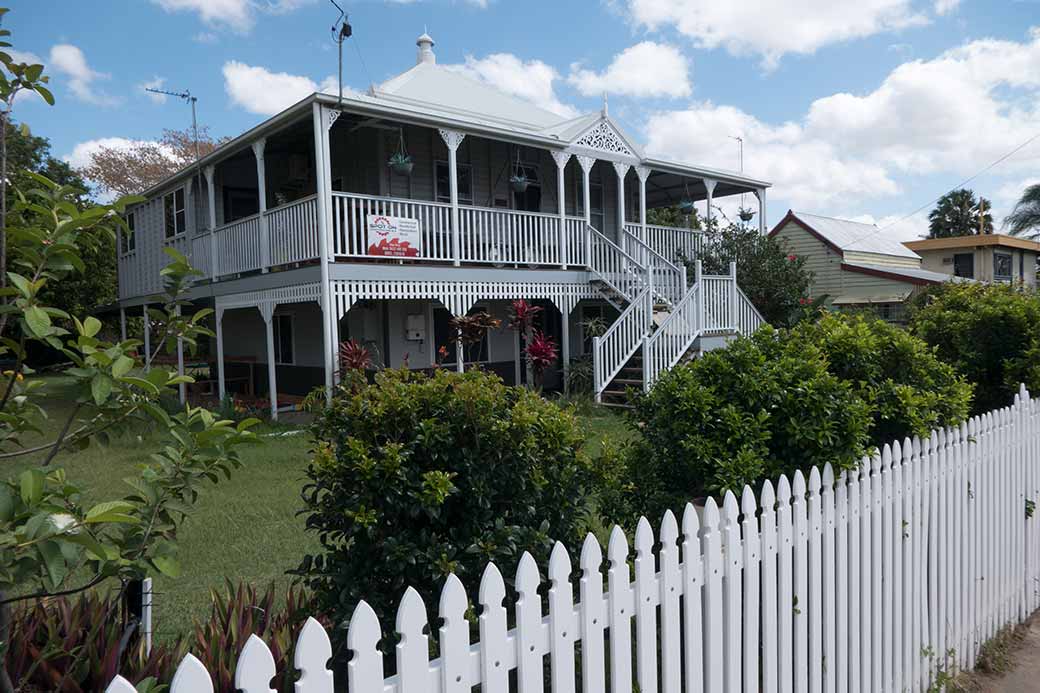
(246, 528)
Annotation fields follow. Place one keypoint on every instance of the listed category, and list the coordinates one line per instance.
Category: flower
(792, 257)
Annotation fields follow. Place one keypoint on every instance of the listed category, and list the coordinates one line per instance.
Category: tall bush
(417, 476)
(909, 390)
(990, 333)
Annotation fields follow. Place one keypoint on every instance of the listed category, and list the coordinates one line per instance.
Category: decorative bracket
(709, 185)
(331, 116)
(452, 138)
(258, 148)
(210, 171)
(621, 169)
(586, 162)
(561, 158)
(643, 172)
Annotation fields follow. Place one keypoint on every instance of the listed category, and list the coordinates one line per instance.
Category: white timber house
(380, 216)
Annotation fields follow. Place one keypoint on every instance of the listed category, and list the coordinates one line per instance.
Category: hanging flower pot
(519, 183)
(401, 164)
(686, 206)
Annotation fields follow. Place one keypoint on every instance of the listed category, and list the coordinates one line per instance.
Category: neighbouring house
(989, 258)
(854, 265)
(380, 216)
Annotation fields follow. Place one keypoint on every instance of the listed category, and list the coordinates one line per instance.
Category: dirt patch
(1009, 663)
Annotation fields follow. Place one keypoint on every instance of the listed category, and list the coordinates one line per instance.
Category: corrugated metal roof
(911, 273)
(856, 236)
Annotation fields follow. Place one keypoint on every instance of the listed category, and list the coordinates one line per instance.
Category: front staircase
(661, 321)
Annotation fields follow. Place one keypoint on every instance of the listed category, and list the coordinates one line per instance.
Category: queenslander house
(378, 217)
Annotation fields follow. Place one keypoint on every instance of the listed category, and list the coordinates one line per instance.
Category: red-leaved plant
(353, 356)
(541, 354)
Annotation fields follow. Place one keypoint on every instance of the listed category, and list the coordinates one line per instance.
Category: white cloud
(531, 80)
(773, 29)
(70, 61)
(154, 83)
(27, 57)
(643, 70)
(237, 15)
(946, 6)
(81, 153)
(204, 37)
(259, 90)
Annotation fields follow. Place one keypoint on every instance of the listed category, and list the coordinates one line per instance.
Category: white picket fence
(873, 581)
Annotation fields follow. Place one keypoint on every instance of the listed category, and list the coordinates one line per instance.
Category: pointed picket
(887, 563)
(814, 603)
(731, 593)
(932, 567)
(856, 591)
(413, 649)
(785, 605)
(769, 552)
(646, 607)
(453, 637)
(693, 621)
(670, 594)
(529, 656)
(920, 545)
(593, 615)
(253, 671)
(191, 675)
(563, 628)
(866, 639)
(800, 573)
(895, 537)
(877, 495)
(714, 669)
(751, 573)
(365, 668)
(311, 659)
(619, 589)
(908, 536)
(838, 662)
(120, 685)
(496, 659)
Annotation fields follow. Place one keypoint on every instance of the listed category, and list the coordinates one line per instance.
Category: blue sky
(865, 109)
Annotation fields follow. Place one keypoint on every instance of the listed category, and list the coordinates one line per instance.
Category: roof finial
(604, 104)
(425, 44)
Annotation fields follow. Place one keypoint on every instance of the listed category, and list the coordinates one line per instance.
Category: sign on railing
(877, 579)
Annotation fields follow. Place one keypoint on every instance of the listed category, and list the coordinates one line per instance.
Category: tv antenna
(186, 96)
(341, 31)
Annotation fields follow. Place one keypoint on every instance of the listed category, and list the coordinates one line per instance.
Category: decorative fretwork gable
(604, 138)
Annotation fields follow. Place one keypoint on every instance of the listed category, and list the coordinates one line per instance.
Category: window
(240, 203)
(173, 206)
(1002, 266)
(465, 179)
(596, 215)
(283, 339)
(128, 239)
(1022, 265)
(964, 265)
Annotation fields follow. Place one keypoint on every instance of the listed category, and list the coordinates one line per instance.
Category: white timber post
(323, 119)
(267, 313)
(622, 171)
(210, 173)
(460, 365)
(182, 390)
(565, 341)
(761, 195)
(643, 173)
(219, 315)
(586, 163)
(261, 186)
(561, 159)
(733, 308)
(147, 337)
(122, 323)
(709, 188)
(452, 140)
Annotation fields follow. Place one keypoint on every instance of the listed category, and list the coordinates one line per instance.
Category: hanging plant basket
(686, 206)
(519, 183)
(401, 164)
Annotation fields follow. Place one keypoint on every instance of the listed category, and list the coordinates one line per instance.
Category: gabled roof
(995, 239)
(446, 88)
(847, 236)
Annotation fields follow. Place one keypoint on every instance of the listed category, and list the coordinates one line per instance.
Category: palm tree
(957, 214)
(1024, 219)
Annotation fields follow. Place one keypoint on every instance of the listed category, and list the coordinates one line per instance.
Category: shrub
(909, 390)
(990, 333)
(760, 407)
(418, 476)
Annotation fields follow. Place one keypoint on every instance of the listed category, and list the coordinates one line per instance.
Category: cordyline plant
(541, 354)
(51, 543)
(521, 320)
(473, 328)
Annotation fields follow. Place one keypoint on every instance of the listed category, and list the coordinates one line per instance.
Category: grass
(245, 529)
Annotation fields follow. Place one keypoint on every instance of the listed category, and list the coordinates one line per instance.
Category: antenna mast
(186, 96)
(341, 31)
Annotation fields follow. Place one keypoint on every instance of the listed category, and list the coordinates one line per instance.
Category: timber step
(616, 394)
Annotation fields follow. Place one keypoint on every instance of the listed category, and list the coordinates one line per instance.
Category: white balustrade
(612, 350)
(238, 246)
(718, 297)
(669, 279)
(664, 346)
(293, 230)
(200, 255)
(883, 577)
(614, 267)
(675, 244)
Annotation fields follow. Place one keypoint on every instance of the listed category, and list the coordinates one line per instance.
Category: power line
(956, 187)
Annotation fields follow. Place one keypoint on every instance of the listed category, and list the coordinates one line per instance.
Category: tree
(957, 214)
(775, 280)
(51, 542)
(1024, 219)
(132, 170)
(674, 217)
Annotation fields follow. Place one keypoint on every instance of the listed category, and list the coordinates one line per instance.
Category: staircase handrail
(612, 350)
(671, 286)
(613, 265)
(663, 347)
(749, 319)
